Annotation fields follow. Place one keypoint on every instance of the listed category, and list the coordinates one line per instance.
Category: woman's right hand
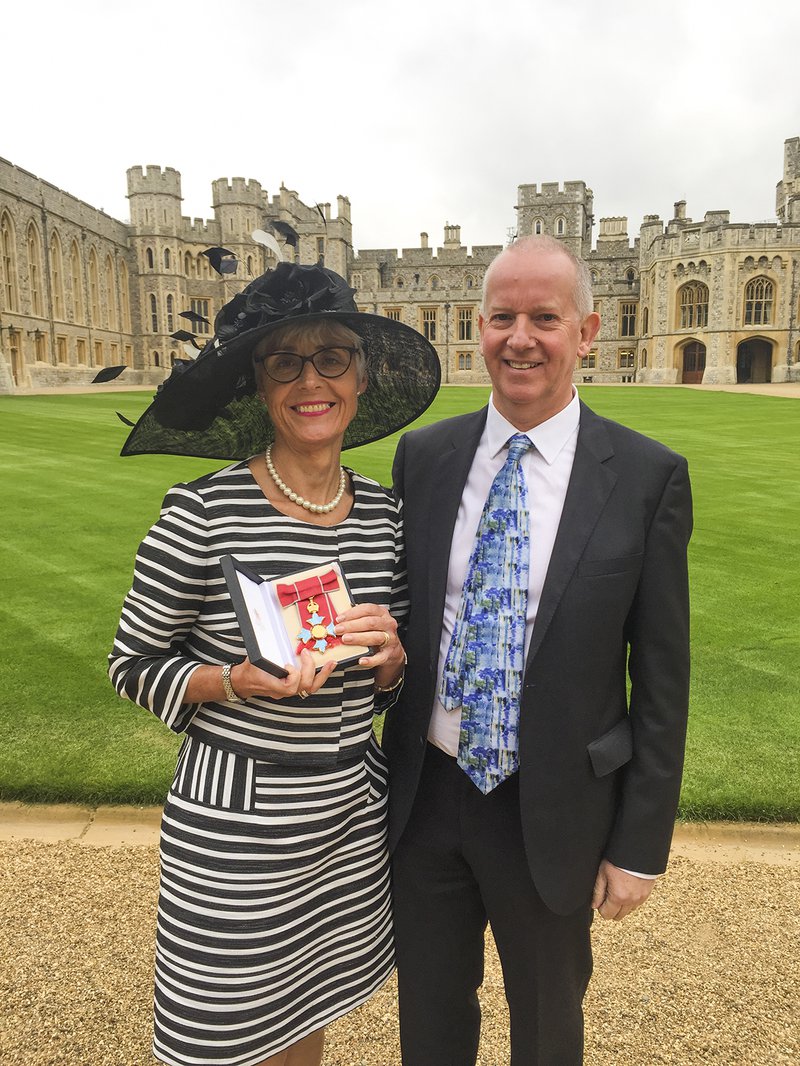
(248, 680)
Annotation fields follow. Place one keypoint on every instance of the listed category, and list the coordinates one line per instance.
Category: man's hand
(617, 893)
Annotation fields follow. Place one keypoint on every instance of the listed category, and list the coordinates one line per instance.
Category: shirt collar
(548, 437)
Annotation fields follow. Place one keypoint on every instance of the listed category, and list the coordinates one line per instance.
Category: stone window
(35, 269)
(57, 275)
(644, 357)
(188, 264)
(538, 226)
(249, 266)
(77, 284)
(61, 349)
(759, 296)
(124, 297)
(156, 359)
(115, 355)
(153, 313)
(469, 281)
(465, 360)
(166, 259)
(429, 321)
(321, 249)
(128, 355)
(393, 313)
(99, 357)
(200, 307)
(625, 359)
(80, 350)
(111, 294)
(356, 281)
(8, 262)
(434, 282)
(589, 361)
(149, 258)
(170, 313)
(693, 306)
(561, 226)
(627, 319)
(645, 320)
(40, 346)
(399, 281)
(465, 327)
(94, 289)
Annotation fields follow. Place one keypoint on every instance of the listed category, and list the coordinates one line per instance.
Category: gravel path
(707, 972)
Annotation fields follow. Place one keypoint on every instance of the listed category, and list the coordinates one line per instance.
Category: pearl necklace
(295, 497)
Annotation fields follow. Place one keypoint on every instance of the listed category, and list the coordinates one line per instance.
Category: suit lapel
(590, 486)
(447, 486)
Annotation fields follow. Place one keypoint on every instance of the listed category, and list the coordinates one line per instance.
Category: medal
(315, 610)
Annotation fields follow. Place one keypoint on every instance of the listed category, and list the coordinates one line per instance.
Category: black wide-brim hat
(208, 406)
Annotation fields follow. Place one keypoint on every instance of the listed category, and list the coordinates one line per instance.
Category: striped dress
(274, 908)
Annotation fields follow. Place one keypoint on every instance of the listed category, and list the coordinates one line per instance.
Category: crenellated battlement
(225, 192)
(552, 191)
(154, 180)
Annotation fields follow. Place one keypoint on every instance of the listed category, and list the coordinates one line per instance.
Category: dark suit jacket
(600, 769)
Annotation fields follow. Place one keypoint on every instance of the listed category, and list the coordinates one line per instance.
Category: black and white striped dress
(274, 909)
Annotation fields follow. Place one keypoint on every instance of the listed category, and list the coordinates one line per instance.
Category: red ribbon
(307, 588)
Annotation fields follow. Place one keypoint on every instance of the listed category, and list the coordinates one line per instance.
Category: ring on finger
(385, 641)
(302, 694)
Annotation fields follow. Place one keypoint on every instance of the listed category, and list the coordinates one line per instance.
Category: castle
(705, 302)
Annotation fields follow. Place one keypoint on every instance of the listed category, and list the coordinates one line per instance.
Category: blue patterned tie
(483, 668)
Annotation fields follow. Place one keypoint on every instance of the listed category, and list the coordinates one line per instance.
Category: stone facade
(694, 302)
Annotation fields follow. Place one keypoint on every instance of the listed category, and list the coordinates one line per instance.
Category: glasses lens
(332, 362)
(283, 366)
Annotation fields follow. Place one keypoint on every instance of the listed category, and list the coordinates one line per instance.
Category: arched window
(57, 276)
(148, 255)
(124, 296)
(469, 281)
(153, 314)
(399, 281)
(94, 290)
(202, 266)
(538, 226)
(173, 355)
(759, 296)
(166, 258)
(35, 269)
(646, 320)
(249, 266)
(434, 282)
(170, 313)
(156, 359)
(561, 226)
(77, 283)
(111, 294)
(693, 306)
(8, 263)
(188, 263)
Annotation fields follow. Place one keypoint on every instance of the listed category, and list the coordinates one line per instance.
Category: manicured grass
(73, 513)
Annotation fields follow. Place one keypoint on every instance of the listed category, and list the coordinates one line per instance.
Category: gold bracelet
(395, 684)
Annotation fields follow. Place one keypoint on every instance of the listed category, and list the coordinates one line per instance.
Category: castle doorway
(694, 363)
(754, 362)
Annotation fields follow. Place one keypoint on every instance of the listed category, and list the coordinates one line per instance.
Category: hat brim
(211, 410)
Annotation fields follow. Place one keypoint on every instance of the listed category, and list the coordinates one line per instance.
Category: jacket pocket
(605, 567)
(613, 749)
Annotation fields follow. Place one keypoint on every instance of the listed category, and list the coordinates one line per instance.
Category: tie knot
(518, 445)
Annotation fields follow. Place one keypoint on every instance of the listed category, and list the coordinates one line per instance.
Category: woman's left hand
(369, 624)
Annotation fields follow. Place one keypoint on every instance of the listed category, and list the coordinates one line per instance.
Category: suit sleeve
(658, 664)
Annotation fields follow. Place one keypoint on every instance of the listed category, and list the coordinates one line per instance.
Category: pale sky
(421, 111)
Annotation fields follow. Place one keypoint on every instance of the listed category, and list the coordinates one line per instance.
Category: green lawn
(73, 512)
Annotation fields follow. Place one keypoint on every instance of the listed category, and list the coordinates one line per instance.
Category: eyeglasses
(288, 366)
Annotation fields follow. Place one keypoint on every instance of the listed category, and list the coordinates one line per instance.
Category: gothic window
(434, 282)
(625, 359)
(200, 307)
(693, 306)
(538, 226)
(465, 360)
(429, 318)
(153, 313)
(393, 313)
(644, 357)
(124, 296)
(188, 263)
(249, 266)
(399, 281)
(465, 323)
(111, 294)
(149, 258)
(561, 226)
(170, 313)
(627, 319)
(469, 281)
(35, 269)
(759, 296)
(57, 276)
(156, 359)
(166, 258)
(8, 262)
(645, 320)
(94, 289)
(321, 249)
(77, 283)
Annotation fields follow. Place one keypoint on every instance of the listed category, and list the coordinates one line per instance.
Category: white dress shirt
(547, 468)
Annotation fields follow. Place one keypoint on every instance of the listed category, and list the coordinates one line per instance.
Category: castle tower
(239, 208)
(787, 193)
(562, 212)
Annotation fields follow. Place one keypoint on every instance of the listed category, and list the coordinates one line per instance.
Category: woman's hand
(369, 624)
(248, 680)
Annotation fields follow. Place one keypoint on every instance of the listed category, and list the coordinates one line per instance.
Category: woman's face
(312, 410)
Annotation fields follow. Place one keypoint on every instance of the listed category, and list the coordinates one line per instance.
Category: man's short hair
(584, 302)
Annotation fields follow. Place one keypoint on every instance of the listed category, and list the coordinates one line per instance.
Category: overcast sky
(421, 111)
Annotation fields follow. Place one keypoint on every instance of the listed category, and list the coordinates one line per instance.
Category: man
(574, 809)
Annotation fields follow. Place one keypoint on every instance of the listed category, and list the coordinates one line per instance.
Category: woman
(274, 908)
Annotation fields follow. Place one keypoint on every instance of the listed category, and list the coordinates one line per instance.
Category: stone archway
(694, 363)
(754, 362)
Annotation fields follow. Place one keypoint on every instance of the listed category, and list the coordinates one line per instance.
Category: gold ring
(302, 694)
(385, 640)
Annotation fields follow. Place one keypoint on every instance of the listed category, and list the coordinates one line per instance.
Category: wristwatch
(230, 694)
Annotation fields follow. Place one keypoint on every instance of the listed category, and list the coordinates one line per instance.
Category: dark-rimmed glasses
(288, 366)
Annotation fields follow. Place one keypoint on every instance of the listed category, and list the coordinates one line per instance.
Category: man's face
(531, 334)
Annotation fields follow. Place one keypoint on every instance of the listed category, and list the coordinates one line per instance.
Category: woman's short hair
(320, 333)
